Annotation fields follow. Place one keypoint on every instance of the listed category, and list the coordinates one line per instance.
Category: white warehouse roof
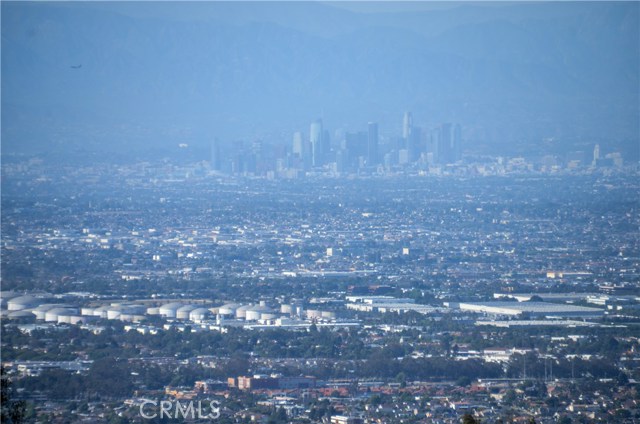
(532, 308)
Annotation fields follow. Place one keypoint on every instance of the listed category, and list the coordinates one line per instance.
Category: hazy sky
(365, 6)
(157, 72)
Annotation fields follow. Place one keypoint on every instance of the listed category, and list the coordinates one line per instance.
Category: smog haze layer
(103, 77)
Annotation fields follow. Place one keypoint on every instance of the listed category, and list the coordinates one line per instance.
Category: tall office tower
(237, 164)
(355, 145)
(257, 154)
(445, 134)
(457, 142)
(596, 154)
(298, 145)
(341, 159)
(315, 137)
(450, 143)
(326, 146)
(414, 144)
(433, 144)
(407, 125)
(216, 162)
(256, 147)
(250, 162)
(372, 144)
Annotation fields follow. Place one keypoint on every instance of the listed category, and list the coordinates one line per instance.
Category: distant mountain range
(115, 74)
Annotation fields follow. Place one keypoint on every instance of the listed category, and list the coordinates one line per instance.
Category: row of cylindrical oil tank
(22, 306)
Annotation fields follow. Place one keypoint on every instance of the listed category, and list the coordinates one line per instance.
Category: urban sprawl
(345, 279)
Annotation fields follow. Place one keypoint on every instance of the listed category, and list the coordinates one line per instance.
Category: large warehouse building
(532, 309)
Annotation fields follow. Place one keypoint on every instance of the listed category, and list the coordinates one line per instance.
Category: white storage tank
(266, 316)
(169, 310)
(199, 314)
(23, 302)
(53, 314)
(256, 312)
(286, 309)
(184, 311)
(5, 296)
(328, 315)
(135, 309)
(228, 309)
(86, 311)
(24, 315)
(252, 315)
(101, 311)
(41, 310)
(241, 312)
(65, 318)
(76, 319)
(114, 312)
(126, 310)
(313, 314)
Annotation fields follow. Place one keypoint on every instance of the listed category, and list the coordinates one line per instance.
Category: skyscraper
(372, 144)
(407, 125)
(449, 143)
(215, 155)
(355, 145)
(414, 144)
(298, 145)
(326, 146)
(433, 145)
(457, 142)
(315, 137)
(301, 155)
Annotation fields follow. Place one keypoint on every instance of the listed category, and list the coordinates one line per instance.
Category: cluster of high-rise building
(349, 152)
(432, 150)
(365, 149)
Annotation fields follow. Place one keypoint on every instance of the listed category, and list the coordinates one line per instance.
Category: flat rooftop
(523, 297)
(539, 323)
(536, 308)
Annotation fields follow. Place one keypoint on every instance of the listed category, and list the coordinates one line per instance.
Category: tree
(463, 381)
(509, 397)
(109, 377)
(455, 349)
(375, 400)
(445, 342)
(238, 364)
(622, 379)
(13, 412)
(469, 419)
(278, 416)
